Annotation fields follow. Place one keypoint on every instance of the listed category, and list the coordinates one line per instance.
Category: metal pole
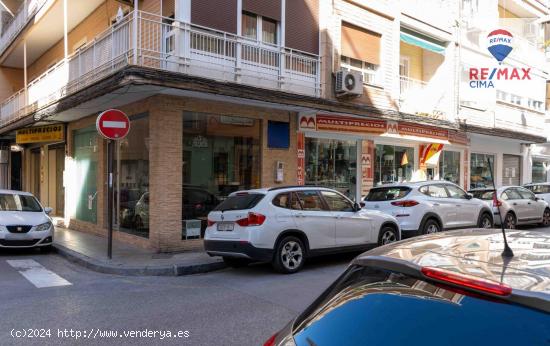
(110, 147)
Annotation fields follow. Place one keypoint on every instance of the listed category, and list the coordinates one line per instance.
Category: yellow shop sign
(49, 133)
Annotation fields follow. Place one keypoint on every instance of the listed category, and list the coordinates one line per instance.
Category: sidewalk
(90, 251)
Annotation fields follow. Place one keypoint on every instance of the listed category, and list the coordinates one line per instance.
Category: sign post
(113, 125)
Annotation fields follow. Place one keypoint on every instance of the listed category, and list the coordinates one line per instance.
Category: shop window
(131, 174)
(449, 166)
(84, 180)
(332, 163)
(480, 175)
(221, 155)
(539, 171)
(393, 164)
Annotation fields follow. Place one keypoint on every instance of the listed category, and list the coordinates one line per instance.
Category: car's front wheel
(289, 255)
(546, 218)
(387, 235)
(431, 226)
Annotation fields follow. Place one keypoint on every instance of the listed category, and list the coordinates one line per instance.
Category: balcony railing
(417, 98)
(24, 13)
(149, 40)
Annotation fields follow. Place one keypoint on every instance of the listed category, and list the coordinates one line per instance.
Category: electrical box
(279, 171)
(191, 229)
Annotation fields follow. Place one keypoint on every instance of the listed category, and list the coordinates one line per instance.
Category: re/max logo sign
(484, 77)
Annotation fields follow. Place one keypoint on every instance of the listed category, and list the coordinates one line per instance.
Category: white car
(24, 223)
(286, 225)
(429, 207)
(542, 190)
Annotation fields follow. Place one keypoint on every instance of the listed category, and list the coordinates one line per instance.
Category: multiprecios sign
(49, 133)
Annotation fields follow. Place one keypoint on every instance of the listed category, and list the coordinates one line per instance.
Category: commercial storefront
(353, 154)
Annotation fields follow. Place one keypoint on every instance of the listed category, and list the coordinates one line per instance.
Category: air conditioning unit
(349, 83)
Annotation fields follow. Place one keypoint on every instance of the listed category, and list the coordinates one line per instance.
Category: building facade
(238, 94)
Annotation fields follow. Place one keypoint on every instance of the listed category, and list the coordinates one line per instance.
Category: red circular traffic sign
(113, 124)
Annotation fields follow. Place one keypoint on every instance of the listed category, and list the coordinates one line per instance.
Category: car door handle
(436, 204)
(458, 205)
(528, 202)
(514, 203)
(300, 215)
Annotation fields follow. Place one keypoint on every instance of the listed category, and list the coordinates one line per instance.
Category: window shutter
(360, 44)
(264, 8)
(302, 25)
(219, 14)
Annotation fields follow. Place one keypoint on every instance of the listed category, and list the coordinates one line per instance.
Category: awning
(424, 44)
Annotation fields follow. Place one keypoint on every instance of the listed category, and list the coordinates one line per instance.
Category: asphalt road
(230, 307)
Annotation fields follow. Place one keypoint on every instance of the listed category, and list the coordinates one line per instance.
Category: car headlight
(44, 227)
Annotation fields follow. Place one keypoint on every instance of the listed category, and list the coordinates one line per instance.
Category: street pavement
(60, 303)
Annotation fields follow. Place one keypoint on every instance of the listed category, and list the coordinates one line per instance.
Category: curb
(106, 268)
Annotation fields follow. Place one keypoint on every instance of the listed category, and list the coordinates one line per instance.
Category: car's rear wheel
(510, 221)
(289, 255)
(546, 217)
(236, 262)
(485, 221)
(387, 235)
(431, 226)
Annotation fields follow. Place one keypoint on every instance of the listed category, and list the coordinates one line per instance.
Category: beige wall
(11, 81)
(414, 56)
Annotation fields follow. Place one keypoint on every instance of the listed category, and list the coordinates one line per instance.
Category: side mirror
(356, 207)
(48, 210)
(469, 196)
(537, 198)
(362, 204)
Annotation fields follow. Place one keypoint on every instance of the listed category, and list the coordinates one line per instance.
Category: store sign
(307, 122)
(406, 129)
(457, 137)
(37, 134)
(338, 123)
(367, 171)
(301, 155)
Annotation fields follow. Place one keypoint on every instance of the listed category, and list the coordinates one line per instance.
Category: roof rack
(296, 186)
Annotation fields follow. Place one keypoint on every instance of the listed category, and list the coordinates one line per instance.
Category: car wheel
(510, 221)
(485, 221)
(387, 235)
(289, 255)
(236, 262)
(546, 218)
(431, 226)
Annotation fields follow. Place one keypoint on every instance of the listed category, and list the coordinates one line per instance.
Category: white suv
(429, 207)
(285, 225)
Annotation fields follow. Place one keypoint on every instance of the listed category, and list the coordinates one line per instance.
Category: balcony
(148, 40)
(26, 11)
(418, 97)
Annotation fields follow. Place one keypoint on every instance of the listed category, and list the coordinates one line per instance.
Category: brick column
(165, 175)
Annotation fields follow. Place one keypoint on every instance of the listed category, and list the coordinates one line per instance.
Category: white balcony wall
(439, 13)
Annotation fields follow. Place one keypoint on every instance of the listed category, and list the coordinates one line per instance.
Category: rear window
(486, 195)
(538, 189)
(240, 202)
(387, 193)
(367, 308)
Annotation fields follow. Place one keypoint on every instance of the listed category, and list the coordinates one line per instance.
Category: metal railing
(24, 13)
(407, 84)
(149, 40)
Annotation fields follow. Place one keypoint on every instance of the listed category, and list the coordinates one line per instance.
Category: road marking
(37, 274)
(114, 124)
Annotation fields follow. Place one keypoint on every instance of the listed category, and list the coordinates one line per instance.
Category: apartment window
(360, 50)
(502, 96)
(536, 105)
(260, 28)
(515, 99)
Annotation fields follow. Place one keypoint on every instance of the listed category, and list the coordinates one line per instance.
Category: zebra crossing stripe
(37, 274)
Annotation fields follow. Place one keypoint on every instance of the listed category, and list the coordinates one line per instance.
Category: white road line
(37, 274)
(114, 124)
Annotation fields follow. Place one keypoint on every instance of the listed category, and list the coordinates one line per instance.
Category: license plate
(225, 226)
(17, 236)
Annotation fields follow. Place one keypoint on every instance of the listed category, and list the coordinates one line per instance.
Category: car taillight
(271, 340)
(496, 202)
(210, 223)
(253, 219)
(467, 281)
(408, 203)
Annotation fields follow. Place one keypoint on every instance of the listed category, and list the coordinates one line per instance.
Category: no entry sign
(113, 124)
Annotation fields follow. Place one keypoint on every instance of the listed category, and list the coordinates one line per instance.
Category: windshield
(9, 202)
(358, 310)
(483, 194)
(387, 193)
(240, 202)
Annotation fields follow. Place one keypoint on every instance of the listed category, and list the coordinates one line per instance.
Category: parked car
(24, 223)
(517, 205)
(429, 207)
(440, 289)
(286, 225)
(541, 190)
